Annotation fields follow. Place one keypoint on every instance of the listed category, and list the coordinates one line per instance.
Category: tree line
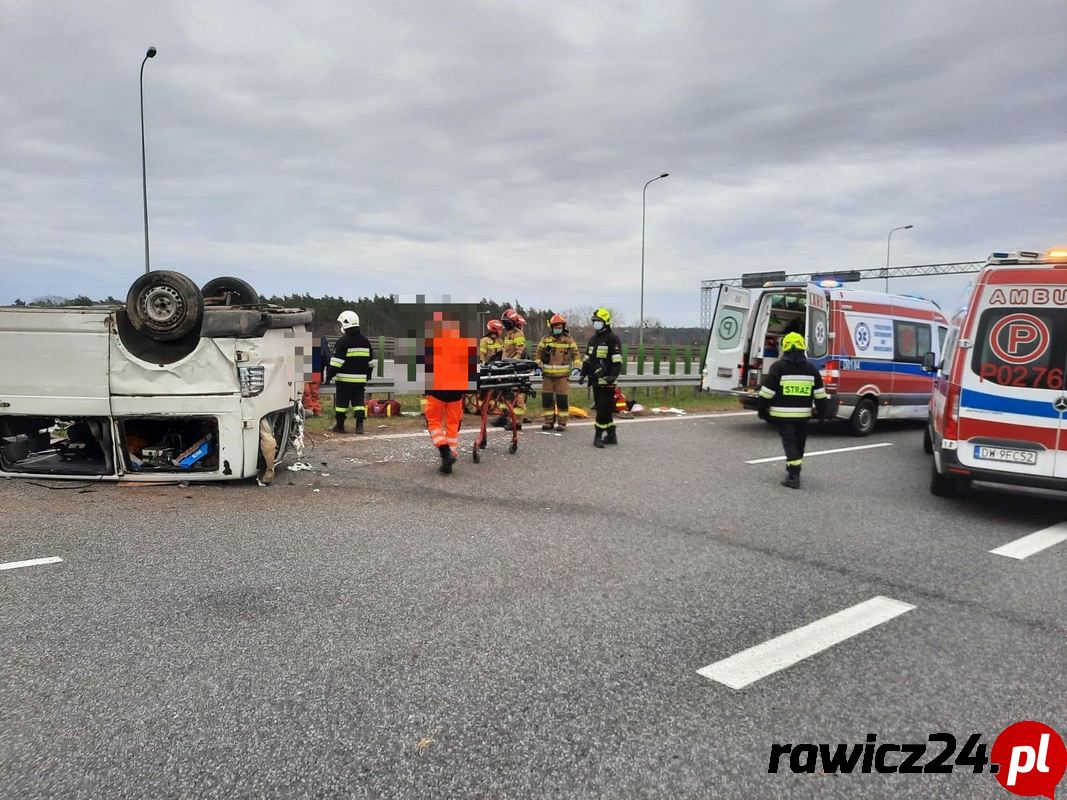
(380, 316)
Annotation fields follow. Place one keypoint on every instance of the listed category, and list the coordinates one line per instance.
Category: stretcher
(499, 385)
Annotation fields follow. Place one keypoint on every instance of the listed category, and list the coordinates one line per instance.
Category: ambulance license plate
(1005, 454)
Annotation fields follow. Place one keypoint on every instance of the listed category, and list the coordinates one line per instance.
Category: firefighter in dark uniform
(789, 389)
(601, 366)
(352, 364)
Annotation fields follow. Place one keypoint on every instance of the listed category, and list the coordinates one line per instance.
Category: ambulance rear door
(818, 322)
(1012, 400)
(726, 340)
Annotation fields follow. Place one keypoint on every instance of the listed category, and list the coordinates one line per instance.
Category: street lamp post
(641, 328)
(144, 170)
(887, 242)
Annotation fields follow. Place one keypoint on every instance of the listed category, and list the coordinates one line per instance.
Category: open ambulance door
(818, 327)
(726, 340)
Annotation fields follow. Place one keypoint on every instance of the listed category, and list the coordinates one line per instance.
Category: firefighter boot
(610, 437)
(598, 439)
(339, 427)
(447, 459)
(792, 478)
(359, 425)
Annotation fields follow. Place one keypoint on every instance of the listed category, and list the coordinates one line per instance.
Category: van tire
(942, 485)
(241, 292)
(164, 306)
(928, 440)
(861, 423)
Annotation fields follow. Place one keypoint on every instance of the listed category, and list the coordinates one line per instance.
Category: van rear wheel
(942, 485)
(861, 423)
(165, 306)
(230, 291)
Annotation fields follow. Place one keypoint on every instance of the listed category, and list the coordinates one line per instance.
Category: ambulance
(998, 409)
(869, 346)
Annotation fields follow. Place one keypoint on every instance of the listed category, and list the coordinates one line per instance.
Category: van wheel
(232, 291)
(942, 485)
(164, 306)
(861, 423)
(928, 441)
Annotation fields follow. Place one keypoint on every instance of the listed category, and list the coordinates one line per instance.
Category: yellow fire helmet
(603, 315)
(793, 341)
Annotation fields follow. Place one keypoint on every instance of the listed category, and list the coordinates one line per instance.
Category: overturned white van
(177, 383)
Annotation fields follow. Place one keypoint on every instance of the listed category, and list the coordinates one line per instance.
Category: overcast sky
(499, 148)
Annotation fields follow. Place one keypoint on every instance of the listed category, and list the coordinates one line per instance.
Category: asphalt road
(531, 626)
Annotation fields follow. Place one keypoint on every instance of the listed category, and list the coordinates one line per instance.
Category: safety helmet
(603, 315)
(793, 341)
(495, 326)
(348, 319)
(510, 313)
(520, 321)
(558, 319)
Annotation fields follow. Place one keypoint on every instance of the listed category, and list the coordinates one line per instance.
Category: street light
(641, 329)
(887, 241)
(144, 171)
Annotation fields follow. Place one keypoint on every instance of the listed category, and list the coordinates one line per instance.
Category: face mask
(598, 326)
(557, 331)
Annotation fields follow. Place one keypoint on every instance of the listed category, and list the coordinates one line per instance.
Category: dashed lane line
(1033, 543)
(823, 452)
(33, 562)
(750, 665)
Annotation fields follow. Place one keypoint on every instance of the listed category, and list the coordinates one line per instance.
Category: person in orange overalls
(451, 371)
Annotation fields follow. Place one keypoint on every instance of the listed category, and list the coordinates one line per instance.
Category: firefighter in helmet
(601, 366)
(491, 345)
(352, 364)
(557, 355)
(514, 347)
(792, 385)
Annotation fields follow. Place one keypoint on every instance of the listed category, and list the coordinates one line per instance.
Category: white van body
(868, 345)
(82, 369)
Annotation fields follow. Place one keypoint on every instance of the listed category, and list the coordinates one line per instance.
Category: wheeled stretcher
(499, 384)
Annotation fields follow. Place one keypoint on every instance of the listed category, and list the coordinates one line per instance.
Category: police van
(869, 346)
(179, 382)
(998, 409)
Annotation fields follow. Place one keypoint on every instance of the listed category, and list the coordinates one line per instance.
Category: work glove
(576, 373)
(581, 380)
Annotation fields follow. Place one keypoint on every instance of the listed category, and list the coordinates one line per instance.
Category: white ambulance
(869, 346)
(999, 404)
(177, 383)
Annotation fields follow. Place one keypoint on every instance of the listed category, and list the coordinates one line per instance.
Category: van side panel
(209, 369)
(54, 362)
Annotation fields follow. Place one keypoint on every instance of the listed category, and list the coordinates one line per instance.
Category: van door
(1012, 398)
(726, 340)
(818, 327)
(54, 362)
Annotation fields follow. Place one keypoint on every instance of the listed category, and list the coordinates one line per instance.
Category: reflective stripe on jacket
(352, 360)
(791, 386)
(557, 355)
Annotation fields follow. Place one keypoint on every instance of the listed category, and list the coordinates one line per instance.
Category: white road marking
(1034, 543)
(472, 430)
(750, 665)
(33, 562)
(823, 452)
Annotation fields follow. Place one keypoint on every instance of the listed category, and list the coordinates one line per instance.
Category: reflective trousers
(794, 433)
(604, 399)
(443, 419)
(555, 398)
(351, 397)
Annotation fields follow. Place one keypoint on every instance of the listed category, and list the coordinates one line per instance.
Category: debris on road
(299, 466)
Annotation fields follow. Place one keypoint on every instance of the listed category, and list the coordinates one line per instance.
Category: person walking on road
(791, 386)
(451, 372)
(557, 356)
(352, 364)
(601, 366)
